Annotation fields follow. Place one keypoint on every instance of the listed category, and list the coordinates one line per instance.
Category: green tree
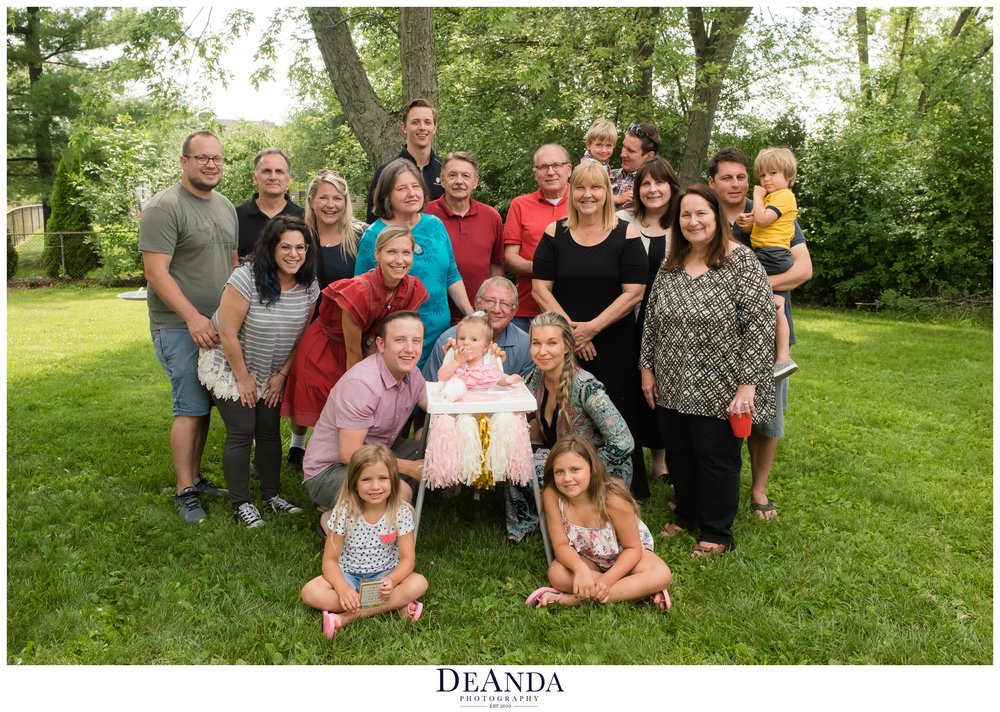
(54, 78)
(12, 257)
(896, 197)
(242, 143)
(67, 240)
(125, 162)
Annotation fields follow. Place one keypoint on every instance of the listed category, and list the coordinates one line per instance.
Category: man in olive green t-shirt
(188, 238)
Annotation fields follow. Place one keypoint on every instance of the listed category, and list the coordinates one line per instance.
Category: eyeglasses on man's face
(546, 167)
(204, 160)
(490, 303)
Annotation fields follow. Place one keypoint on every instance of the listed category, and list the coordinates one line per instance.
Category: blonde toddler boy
(774, 211)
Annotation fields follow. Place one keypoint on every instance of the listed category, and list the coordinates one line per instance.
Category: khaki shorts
(324, 488)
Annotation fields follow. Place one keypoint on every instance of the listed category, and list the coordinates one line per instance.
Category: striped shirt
(267, 337)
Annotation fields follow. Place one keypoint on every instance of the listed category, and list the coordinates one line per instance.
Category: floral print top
(600, 545)
(592, 415)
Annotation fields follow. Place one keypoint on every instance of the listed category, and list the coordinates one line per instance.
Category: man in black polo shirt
(271, 173)
(419, 125)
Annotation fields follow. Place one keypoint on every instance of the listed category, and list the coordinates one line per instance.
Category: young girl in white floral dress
(603, 550)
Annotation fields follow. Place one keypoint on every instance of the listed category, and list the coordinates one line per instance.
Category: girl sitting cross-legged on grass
(370, 540)
(603, 550)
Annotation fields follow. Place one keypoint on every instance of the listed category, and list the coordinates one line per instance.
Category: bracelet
(283, 375)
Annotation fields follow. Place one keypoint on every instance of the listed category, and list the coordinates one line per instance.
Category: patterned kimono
(590, 414)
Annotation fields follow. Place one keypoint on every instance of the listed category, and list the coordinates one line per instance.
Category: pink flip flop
(414, 609)
(536, 595)
(666, 604)
(332, 623)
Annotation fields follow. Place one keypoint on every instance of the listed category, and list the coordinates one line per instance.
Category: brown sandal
(670, 530)
(705, 549)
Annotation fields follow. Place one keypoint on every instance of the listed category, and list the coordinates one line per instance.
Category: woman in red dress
(350, 314)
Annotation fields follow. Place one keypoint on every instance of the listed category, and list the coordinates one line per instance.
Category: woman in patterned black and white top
(265, 307)
(706, 352)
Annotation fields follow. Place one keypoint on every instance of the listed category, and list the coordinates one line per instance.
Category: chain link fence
(72, 255)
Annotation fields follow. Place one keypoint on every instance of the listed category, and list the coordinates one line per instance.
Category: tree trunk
(41, 122)
(645, 18)
(863, 66)
(416, 54)
(713, 49)
(376, 128)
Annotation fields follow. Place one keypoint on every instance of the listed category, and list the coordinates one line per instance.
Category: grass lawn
(882, 554)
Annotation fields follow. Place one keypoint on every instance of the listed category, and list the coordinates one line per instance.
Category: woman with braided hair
(570, 402)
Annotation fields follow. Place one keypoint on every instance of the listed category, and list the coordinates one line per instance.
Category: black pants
(703, 457)
(243, 426)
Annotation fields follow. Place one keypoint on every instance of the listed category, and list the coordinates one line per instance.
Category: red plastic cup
(741, 424)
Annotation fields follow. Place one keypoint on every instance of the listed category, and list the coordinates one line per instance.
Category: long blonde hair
(350, 229)
(602, 485)
(570, 365)
(592, 171)
(349, 499)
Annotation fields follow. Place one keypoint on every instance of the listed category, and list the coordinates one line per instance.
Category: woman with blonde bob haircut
(590, 272)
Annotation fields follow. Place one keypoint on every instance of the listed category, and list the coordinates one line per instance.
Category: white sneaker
(248, 515)
(281, 506)
(785, 369)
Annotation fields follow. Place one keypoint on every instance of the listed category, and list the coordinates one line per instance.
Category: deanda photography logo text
(497, 689)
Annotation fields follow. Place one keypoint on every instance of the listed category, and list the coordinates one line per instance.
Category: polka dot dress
(370, 548)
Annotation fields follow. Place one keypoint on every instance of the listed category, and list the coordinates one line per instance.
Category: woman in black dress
(587, 270)
(655, 204)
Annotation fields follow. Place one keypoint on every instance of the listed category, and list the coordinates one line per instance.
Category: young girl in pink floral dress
(603, 550)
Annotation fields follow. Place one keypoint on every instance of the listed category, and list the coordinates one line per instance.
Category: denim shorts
(775, 427)
(178, 354)
(354, 580)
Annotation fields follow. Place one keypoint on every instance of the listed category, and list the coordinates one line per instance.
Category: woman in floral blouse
(706, 352)
(570, 401)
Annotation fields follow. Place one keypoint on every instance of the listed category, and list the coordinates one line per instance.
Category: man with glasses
(272, 171)
(188, 238)
(527, 219)
(475, 228)
(641, 142)
(497, 297)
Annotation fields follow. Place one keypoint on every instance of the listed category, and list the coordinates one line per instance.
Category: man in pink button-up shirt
(370, 404)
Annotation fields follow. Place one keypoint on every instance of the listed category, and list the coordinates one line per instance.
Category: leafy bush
(127, 164)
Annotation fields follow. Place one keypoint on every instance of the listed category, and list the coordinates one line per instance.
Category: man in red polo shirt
(475, 228)
(527, 219)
